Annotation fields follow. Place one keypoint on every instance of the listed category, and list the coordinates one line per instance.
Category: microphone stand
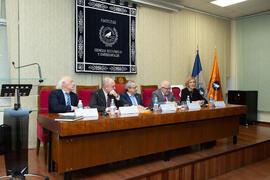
(17, 105)
(39, 71)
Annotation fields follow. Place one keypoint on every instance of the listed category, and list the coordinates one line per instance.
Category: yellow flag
(214, 86)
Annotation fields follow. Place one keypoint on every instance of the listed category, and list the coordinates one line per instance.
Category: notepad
(68, 118)
(67, 114)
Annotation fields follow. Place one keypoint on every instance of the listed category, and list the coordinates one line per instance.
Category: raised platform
(195, 162)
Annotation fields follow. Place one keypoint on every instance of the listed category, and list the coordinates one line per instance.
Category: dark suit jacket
(98, 100)
(57, 103)
(160, 97)
(126, 99)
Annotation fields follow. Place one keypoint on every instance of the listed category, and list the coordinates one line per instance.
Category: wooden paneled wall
(214, 166)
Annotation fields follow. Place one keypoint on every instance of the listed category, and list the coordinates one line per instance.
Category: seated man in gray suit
(164, 94)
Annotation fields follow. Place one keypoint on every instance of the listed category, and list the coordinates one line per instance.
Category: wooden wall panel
(217, 165)
(96, 149)
(174, 174)
(186, 172)
(2, 165)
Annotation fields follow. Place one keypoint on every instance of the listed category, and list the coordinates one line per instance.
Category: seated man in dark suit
(101, 98)
(131, 97)
(63, 99)
(164, 95)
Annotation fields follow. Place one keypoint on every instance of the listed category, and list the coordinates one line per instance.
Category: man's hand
(113, 92)
(200, 102)
(74, 108)
(172, 102)
(140, 108)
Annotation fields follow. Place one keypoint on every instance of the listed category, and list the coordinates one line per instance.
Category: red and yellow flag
(214, 85)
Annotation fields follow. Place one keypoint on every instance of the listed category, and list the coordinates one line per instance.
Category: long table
(87, 143)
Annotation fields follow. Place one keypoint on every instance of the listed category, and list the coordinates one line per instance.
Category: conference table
(88, 143)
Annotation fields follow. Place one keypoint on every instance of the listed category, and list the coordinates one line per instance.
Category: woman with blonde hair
(192, 92)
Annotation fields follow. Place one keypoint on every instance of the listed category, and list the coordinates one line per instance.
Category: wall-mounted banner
(105, 37)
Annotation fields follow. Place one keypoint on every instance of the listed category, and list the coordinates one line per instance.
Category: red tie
(165, 99)
(108, 101)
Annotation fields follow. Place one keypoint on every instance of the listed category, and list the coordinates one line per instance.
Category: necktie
(68, 99)
(133, 100)
(165, 98)
(108, 101)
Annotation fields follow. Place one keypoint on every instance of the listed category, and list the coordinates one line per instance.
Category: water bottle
(80, 104)
(155, 108)
(211, 101)
(112, 107)
(188, 100)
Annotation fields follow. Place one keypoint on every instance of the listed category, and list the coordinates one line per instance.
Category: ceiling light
(224, 3)
(158, 5)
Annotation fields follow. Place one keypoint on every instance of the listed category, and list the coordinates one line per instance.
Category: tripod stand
(22, 174)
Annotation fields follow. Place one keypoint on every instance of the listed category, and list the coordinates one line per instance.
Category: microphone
(39, 72)
(39, 69)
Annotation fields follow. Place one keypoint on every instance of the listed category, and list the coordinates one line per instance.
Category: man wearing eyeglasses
(131, 97)
(164, 94)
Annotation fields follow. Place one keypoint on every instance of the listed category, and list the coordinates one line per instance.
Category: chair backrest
(84, 93)
(44, 92)
(120, 88)
(120, 84)
(146, 91)
(120, 80)
(176, 90)
(43, 107)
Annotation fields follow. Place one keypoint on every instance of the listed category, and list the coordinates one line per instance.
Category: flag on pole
(214, 86)
(198, 75)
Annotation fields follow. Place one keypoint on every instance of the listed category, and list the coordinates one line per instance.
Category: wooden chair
(176, 90)
(43, 97)
(120, 84)
(84, 93)
(146, 91)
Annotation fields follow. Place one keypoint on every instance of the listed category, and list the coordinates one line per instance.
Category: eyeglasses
(134, 87)
(167, 89)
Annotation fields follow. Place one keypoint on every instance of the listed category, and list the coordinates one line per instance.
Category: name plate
(167, 107)
(92, 112)
(128, 110)
(128, 115)
(194, 106)
(219, 104)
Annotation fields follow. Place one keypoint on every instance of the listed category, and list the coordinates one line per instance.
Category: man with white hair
(101, 98)
(63, 99)
(164, 94)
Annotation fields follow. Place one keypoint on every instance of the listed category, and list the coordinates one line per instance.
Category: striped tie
(133, 100)
(68, 99)
(108, 101)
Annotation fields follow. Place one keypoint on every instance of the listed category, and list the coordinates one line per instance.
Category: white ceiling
(245, 8)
